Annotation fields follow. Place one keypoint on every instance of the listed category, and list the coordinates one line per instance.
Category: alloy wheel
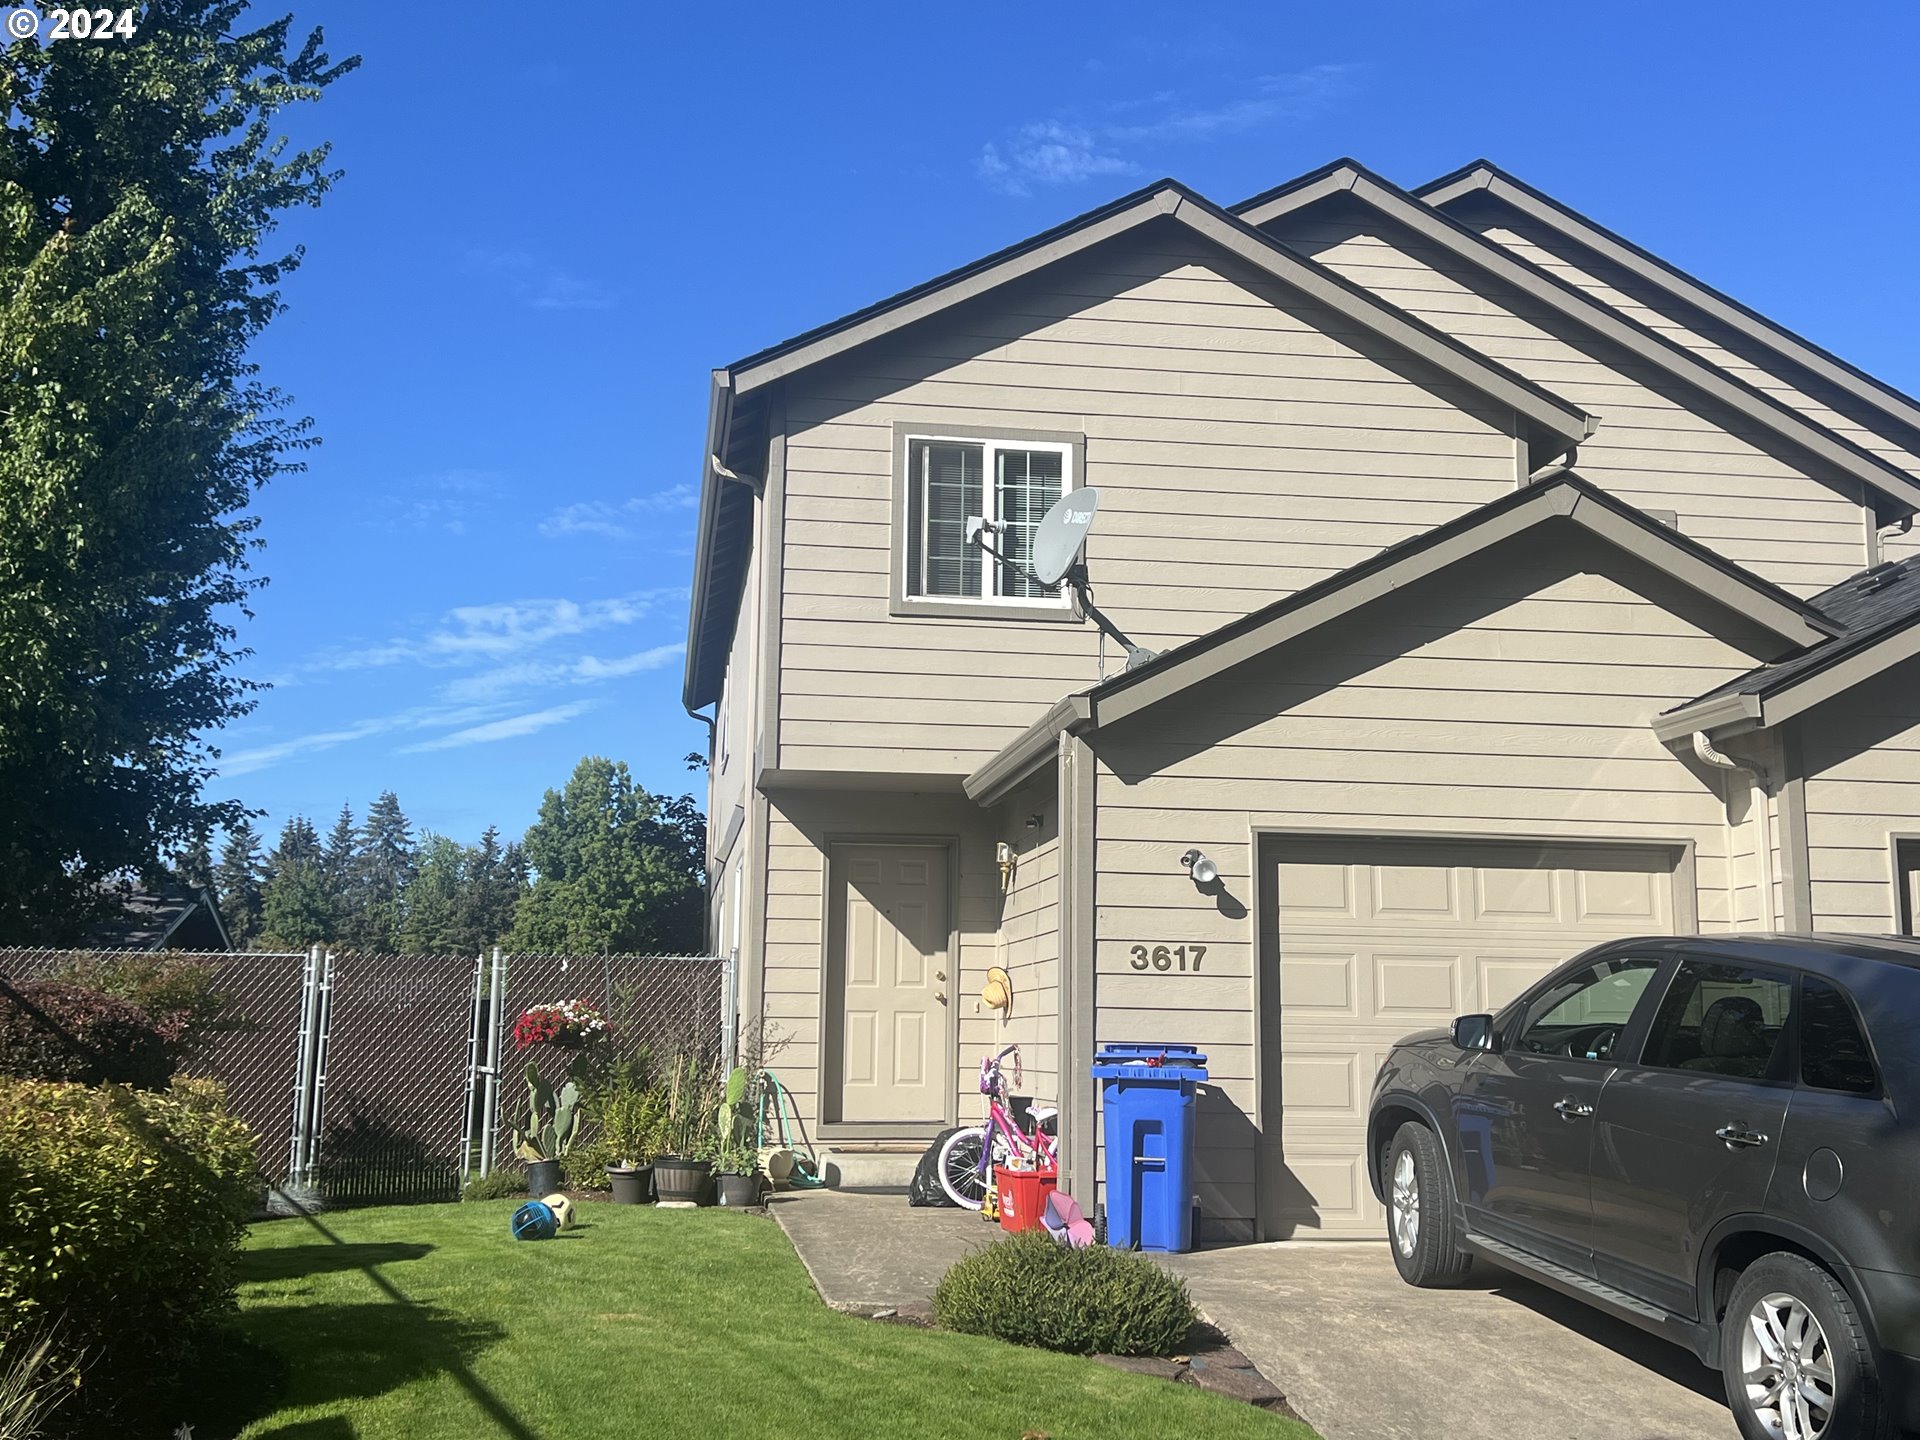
(1405, 1201)
(1786, 1367)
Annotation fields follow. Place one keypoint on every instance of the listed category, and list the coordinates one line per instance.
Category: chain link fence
(365, 1075)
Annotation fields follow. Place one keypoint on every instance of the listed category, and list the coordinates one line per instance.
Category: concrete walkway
(1359, 1354)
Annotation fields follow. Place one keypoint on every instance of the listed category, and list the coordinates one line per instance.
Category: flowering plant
(570, 1024)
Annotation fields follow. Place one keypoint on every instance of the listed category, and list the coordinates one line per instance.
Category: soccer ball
(562, 1209)
(535, 1220)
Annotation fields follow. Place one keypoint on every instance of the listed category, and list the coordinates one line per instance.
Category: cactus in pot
(552, 1120)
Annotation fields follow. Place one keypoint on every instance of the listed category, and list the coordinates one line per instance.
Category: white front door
(894, 997)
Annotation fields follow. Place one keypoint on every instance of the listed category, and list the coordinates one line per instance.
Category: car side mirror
(1473, 1032)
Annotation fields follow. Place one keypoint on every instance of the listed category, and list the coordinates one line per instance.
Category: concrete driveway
(1363, 1356)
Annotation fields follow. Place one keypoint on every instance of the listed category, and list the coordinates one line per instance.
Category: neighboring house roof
(1397, 205)
(1795, 622)
(1483, 175)
(1880, 612)
(737, 415)
(170, 916)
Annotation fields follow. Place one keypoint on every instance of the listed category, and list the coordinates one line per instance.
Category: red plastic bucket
(1023, 1196)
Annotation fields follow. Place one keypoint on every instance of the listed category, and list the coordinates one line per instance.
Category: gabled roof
(171, 915)
(1484, 175)
(1434, 225)
(736, 420)
(1794, 622)
(1879, 610)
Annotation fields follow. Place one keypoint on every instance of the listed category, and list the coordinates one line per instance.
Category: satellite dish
(1061, 535)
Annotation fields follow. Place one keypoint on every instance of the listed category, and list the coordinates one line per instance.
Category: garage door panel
(1378, 939)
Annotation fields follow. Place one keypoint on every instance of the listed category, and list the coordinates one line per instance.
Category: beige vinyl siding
(735, 733)
(1511, 711)
(1245, 443)
(1661, 311)
(1660, 445)
(1029, 949)
(1861, 753)
(801, 826)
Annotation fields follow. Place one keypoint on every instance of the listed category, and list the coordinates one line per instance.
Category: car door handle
(1738, 1135)
(1571, 1109)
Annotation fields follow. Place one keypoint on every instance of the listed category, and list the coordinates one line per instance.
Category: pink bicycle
(966, 1160)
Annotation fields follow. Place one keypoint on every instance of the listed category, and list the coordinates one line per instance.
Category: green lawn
(431, 1323)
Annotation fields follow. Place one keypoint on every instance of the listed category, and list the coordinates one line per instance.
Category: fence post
(496, 1006)
(302, 1071)
(324, 1034)
(468, 1126)
(730, 1008)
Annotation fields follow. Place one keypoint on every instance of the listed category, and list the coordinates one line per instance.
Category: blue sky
(549, 232)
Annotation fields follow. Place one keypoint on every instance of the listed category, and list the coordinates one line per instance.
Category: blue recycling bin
(1147, 1094)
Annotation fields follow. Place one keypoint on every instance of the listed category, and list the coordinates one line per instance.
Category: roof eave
(719, 401)
(1719, 716)
(1426, 219)
(1030, 751)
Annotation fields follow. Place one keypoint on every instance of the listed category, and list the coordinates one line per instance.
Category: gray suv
(1713, 1137)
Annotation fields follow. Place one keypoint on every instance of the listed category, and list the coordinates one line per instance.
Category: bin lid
(1133, 1072)
(1121, 1054)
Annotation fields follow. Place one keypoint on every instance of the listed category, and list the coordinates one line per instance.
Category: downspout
(1555, 467)
(1720, 760)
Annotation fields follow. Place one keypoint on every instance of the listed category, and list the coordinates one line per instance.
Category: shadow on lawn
(290, 1262)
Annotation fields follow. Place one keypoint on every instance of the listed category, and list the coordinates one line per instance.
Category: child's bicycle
(968, 1157)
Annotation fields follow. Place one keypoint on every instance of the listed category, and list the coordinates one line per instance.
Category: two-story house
(1509, 590)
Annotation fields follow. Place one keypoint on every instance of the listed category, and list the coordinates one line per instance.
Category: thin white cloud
(1059, 151)
(537, 283)
(622, 520)
(511, 728)
(538, 674)
(419, 717)
(472, 634)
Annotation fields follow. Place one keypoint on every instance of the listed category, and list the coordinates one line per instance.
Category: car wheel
(1422, 1229)
(1795, 1356)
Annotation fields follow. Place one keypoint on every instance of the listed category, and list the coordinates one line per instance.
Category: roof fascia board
(1636, 339)
(1704, 297)
(719, 402)
(1325, 288)
(1030, 751)
(1217, 659)
(1722, 715)
(1778, 614)
(1843, 675)
(1159, 202)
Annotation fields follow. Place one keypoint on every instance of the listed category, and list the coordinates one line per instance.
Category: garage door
(1371, 940)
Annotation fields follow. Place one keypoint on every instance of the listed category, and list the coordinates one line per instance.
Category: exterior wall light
(1203, 870)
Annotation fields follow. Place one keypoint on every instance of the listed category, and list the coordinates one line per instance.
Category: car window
(1582, 1016)
(1722, 1019)
(1833, 1049)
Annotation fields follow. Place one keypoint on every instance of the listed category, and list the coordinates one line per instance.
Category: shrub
(1031, 1290)
(177, 994)
(121, 1213)
(50, 1030)
(496, 1185)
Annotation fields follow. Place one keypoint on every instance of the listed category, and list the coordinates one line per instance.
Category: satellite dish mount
(1058, 555)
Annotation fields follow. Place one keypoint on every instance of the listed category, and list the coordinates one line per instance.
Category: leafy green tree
(140, 182)
(237, 882)
(616, 868)
(433, 897)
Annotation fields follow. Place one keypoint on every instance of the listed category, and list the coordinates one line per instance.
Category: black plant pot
(738, 1191)
(632, 1185)
(680, 1181)
(543, 1177)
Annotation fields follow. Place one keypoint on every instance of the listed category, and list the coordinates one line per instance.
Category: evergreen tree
(493, 884)
(339, 868)
(616, 868)
(384, 868)
(295, 909)
(193, 866)
(434, 896)
(140, 182)
(237, 882)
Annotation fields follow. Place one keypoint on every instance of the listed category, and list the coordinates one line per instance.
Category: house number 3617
(1162, 957)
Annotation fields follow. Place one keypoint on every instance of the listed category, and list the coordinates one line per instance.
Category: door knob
(940, 975)
(941, 998)
(1571, 1109)
(1737, 1136)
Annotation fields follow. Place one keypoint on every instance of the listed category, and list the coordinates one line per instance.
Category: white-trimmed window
(956, 485)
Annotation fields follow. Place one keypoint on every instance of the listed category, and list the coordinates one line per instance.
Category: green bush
(50, 1030)
(495, 1185)
(121, 1214)
(1031, 1290)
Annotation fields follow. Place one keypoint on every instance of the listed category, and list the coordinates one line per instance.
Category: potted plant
(681, 1177)
(736, 1166)
(632, 1120)
(569, 1025)
(552, 1121)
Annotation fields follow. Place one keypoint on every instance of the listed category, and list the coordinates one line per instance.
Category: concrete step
(870, 1166)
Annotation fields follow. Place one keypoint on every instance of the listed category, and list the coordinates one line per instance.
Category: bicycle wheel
(961, 1174)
